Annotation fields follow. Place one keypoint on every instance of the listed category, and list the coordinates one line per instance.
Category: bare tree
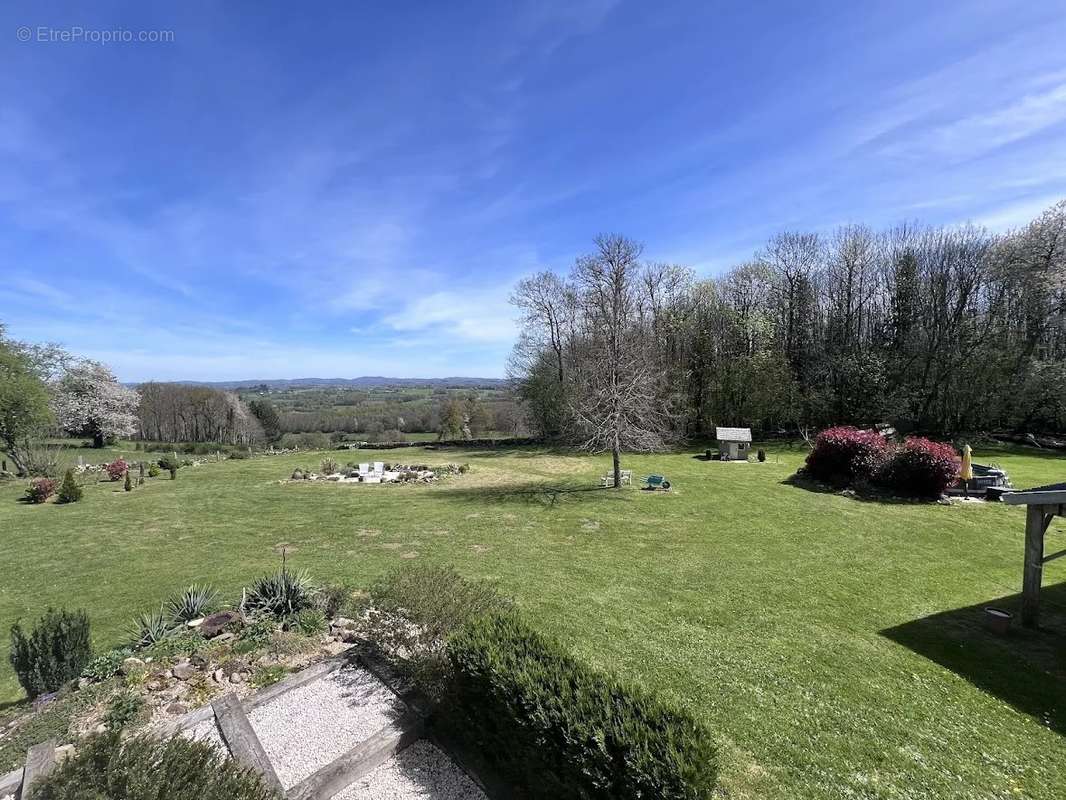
(617, 406)
(548, 308)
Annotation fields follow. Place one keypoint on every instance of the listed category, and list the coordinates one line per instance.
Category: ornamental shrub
(148, 768)
(69, 492)
(921, 468)
(40, 489)
(193, 603)
(415, 609)
(153, 470)
(570, 732)
(151, 627)
(106, 665)
(128, 486)
(843, 455)
(56, 651)
(170, 462)
(281, 594)
(116, 469)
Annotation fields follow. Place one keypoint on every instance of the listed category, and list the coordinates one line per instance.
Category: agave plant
(151, 627)
(281, 593)
(193, 603)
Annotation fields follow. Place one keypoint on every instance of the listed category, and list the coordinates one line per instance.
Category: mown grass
(834, 645)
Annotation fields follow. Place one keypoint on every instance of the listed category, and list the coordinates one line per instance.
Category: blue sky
(280, 193)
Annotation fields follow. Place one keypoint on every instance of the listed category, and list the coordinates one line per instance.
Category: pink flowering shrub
(116, 469)
(844, 454)
(40, 489)
(920, 468)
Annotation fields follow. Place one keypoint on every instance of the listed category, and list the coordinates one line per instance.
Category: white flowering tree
(89, 401)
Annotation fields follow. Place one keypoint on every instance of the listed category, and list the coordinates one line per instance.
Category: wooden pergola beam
(1036, 522)
(1041, 508)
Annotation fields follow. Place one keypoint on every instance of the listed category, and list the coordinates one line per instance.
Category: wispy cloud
(295, 203)
(477, 315)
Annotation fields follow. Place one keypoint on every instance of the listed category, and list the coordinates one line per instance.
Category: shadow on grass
(8, 705)
(864, 494)
(1025, 668)
(510, 451)
(543, 494)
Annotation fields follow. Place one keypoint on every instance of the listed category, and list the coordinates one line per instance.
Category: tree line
(46, 392)
(934, 329)
(382, 420)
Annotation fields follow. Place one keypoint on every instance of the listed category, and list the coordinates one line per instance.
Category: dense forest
(934, 329)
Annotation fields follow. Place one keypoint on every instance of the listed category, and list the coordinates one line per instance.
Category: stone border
(10, 783)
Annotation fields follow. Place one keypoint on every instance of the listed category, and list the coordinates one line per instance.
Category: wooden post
(1034, 564)
(243, 744)
(40, 760)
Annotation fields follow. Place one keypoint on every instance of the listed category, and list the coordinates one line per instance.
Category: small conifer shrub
(69, 492)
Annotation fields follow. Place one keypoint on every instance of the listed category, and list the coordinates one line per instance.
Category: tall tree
(617, 403)
(88, 400)
(24, 406)
(268, 417)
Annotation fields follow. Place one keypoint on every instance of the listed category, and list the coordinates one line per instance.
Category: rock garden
(409, 690)
(377, 472)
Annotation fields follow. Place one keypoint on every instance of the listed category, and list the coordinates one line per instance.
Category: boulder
(219, 676)
(43, 700)
(236, 677)
(177, 708)
(216, 623)
(184, 671)
(131, 665)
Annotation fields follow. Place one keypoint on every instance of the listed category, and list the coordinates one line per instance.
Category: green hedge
(551, 727)
(55, 652)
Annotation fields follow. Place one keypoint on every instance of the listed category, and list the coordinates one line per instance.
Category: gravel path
(207, 731)
(311, 726)
(420, 772)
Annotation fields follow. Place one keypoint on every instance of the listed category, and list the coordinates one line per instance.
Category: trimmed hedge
(143, 768)
(552, 727)
(921, 468)
(844, 454)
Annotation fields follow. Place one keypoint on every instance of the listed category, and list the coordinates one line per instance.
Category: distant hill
(363, 382)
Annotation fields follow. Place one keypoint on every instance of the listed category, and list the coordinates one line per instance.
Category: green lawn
(833, 645)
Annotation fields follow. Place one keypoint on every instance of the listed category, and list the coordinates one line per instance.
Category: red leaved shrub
(116, 469)
(920, 468)
(844, 454)
(40, 489)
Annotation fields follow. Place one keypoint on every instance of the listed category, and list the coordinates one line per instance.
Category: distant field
(834, 646)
